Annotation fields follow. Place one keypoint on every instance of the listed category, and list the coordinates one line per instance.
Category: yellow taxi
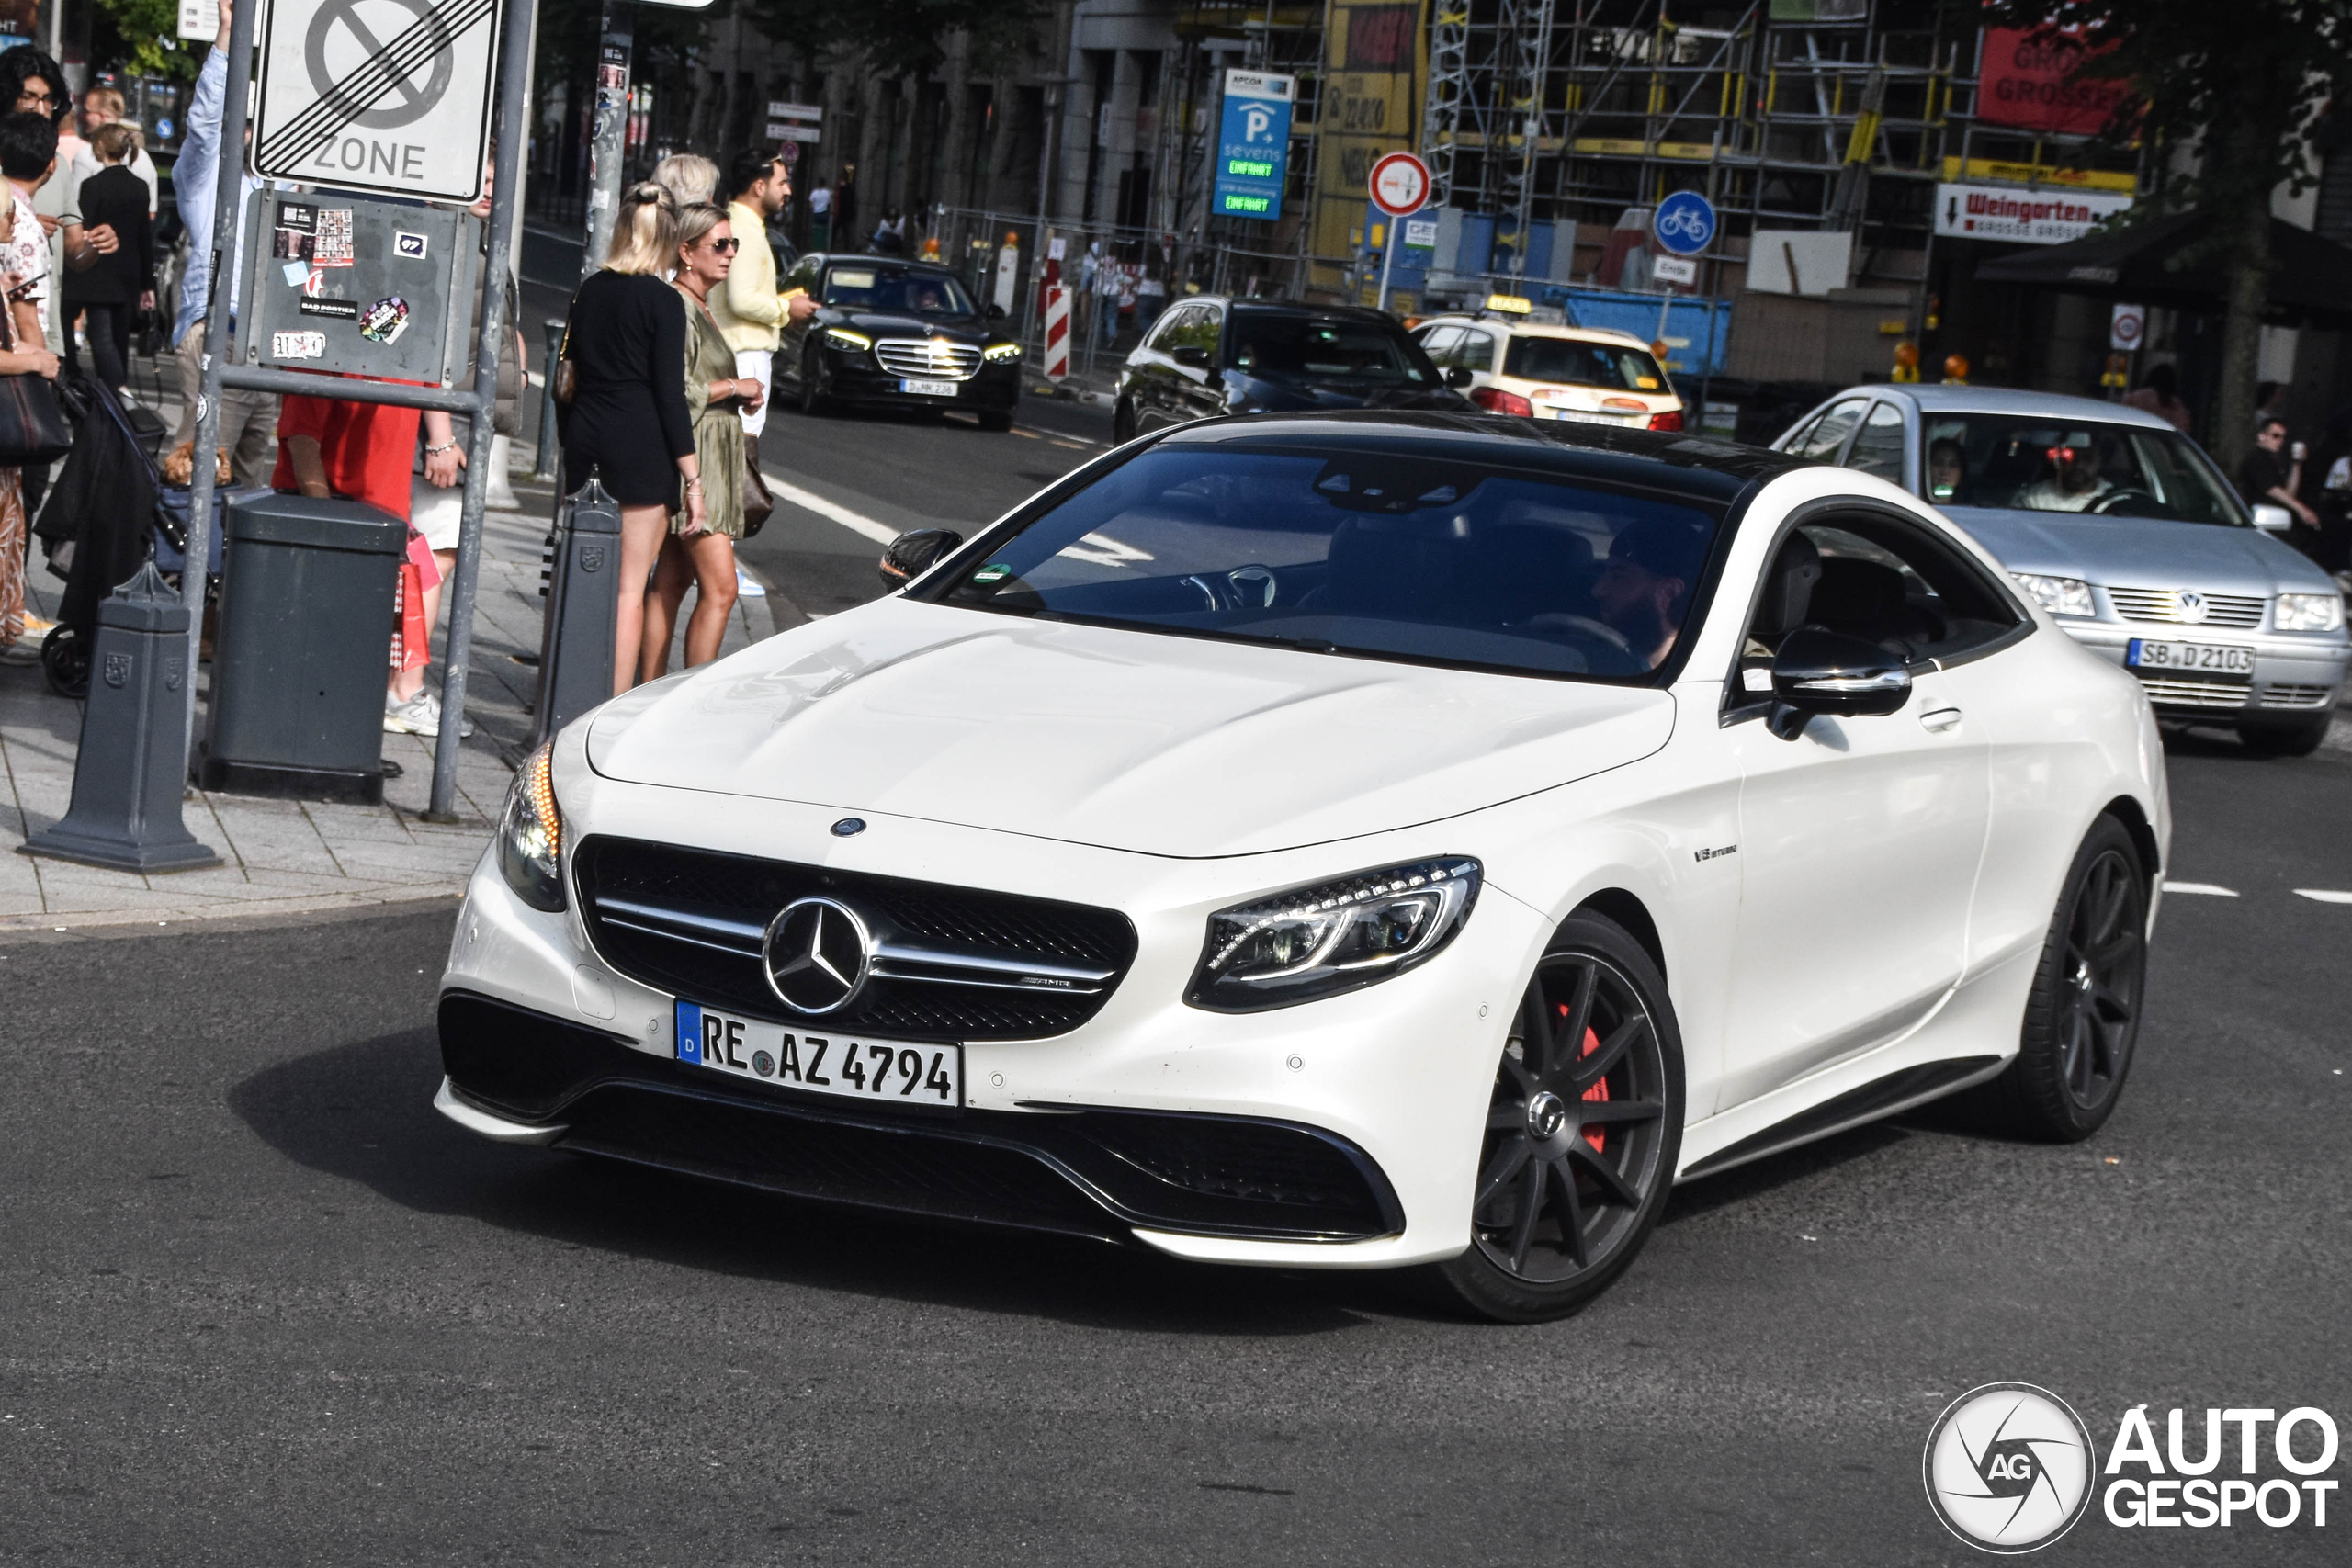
(1538, 370)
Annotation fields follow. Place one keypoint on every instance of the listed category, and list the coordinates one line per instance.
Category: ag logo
(2008, 1467)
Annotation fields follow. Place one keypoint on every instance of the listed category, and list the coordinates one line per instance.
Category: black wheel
(994, 421)
(1123, 422)
(65, 661)
(1582, 1131)
(2082, 1018)
(2284, 737)
(814, 400)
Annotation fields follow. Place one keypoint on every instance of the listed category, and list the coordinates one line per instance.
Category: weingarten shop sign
(2016, 216)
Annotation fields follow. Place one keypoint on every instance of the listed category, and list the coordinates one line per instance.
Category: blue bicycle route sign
(1685, 223)
(1253, 145)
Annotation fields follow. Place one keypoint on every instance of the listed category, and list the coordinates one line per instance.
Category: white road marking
(2323, 895)
(2205, 887)
(809, 501)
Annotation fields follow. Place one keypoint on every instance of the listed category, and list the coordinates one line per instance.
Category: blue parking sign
(1685, 223)
(1253, 145)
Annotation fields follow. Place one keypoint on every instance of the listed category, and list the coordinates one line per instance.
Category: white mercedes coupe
(1357, 840)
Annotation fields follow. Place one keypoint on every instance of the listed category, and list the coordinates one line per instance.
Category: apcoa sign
(1253, 145)
(385, 95)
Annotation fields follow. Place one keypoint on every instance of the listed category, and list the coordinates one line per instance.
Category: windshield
(897, 293)
(1304, 348)
(2045, 465)
(1371, 552)
(1618, 368)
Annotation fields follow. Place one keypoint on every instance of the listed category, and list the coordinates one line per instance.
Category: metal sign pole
(513, 85)
(228, 214)
(609, 134)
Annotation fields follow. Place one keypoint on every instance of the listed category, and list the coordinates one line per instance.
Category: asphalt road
(259, 1305)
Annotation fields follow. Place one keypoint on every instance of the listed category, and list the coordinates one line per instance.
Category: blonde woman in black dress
(703, 556)
(627, 421)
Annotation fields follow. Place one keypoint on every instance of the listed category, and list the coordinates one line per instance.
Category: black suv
(896, 333)
(1209, 355)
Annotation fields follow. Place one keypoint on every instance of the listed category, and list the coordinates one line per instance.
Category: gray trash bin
(303, 649)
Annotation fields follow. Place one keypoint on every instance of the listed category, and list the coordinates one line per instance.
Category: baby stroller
(108, 512)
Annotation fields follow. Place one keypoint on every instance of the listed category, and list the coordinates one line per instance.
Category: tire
(2082, 1017)
(1123, 422)
(65, 661)
(2284, 737)
(995, 422)
(1579, 1151)
(813, 399)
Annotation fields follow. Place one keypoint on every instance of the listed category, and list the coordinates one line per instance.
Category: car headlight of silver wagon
(530, 836)
(1332, 937)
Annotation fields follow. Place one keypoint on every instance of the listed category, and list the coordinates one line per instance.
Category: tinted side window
(1438, 342)
(1824, 440)
(1893, 581)
(803, 276)
(1166, 335)
(1478, 351)
(1194, 326)
(1878, 447)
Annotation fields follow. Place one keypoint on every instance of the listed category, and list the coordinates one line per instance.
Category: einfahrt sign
(386, 95)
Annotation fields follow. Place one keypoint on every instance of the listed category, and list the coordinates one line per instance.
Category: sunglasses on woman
(724, 247)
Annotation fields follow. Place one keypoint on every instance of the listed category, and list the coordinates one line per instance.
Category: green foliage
(141, 37)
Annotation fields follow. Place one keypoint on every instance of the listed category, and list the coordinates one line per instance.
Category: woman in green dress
(702, 557)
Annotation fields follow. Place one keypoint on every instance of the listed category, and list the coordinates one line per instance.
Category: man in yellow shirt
(749, 312)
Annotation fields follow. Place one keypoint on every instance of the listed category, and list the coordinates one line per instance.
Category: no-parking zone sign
(386, 95)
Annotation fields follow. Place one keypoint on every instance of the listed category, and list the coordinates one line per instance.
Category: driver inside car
(1645, 584)
(2069, 480)
(1947, 470)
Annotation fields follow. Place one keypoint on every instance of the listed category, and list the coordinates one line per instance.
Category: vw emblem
(2192, 607)
(817, 954)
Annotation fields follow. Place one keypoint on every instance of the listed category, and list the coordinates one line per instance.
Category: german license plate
(928, 389)
(820, 1061)
(2206, 658)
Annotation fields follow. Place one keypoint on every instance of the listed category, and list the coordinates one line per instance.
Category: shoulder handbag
(757, 501)
(563, 377)
(33, 431)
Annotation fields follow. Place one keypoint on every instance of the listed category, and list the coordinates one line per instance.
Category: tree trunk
(2230, 434)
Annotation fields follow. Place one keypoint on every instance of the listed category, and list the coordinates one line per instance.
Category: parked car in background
(1210, 354)
(892, 334)
(2123, 529)
(1595, 374)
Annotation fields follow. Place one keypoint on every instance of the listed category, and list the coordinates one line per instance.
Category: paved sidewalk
(283, 856)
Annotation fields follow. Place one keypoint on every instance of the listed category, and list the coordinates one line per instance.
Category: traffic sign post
(1399, 183)
(1685, 223)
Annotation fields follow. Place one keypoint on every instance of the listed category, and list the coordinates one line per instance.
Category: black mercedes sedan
(1210, 355)
(893, 334)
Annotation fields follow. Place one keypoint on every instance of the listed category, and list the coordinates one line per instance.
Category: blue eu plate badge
(690, 1033)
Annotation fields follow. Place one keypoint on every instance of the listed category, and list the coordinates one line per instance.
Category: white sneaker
(420, 715)
(746, 587)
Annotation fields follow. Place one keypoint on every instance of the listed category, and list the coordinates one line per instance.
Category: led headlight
(2309, 612)
(530, 836)
(2059, 595)
(1333, 937)
(997, 353)
(841, 338)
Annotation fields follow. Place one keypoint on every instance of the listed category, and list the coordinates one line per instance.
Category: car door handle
(1938, 720)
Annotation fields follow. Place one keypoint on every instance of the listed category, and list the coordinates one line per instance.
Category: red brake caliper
(1598, 1091)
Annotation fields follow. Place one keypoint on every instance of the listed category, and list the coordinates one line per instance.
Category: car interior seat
(1788, 590)
(1393, 568)
(1869, 600)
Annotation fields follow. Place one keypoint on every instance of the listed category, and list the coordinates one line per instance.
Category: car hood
(1158, 744)
(2142, 551)
(880, 323)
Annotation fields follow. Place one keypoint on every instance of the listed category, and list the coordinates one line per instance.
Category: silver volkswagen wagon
(2123, 529)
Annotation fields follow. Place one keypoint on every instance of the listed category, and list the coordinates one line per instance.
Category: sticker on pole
(1685, 223)
(1400, 184)
(388, 96)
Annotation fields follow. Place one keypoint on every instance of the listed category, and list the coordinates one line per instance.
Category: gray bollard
(550, 459)
(583, 600)
(130, 772)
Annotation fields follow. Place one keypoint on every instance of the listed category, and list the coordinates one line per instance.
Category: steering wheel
(1555, 620)
(1604, 646)
(2115, 499)
(1253, 586)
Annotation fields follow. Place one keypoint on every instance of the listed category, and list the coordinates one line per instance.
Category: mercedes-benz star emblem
(817, 954)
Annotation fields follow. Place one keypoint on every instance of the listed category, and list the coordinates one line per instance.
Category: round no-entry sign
(1400, 184)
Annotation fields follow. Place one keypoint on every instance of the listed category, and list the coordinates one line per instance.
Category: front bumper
(2293, 674)
(854, 377)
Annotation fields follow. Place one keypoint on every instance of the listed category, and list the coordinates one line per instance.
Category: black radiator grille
(728, 900)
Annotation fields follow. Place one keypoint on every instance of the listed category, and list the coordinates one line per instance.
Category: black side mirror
(912, 554)
(995, 311)
(1818, 671)
(1457, 375)
(1191, 355)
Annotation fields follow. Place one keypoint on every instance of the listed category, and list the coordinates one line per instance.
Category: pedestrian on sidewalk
(749, 311)
(115, 282)
(248, 420)
(103, 106)
(688, 177)
(27, 154)
(700, 551)
(627, 422)
(2272, 475)
(821, 217)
